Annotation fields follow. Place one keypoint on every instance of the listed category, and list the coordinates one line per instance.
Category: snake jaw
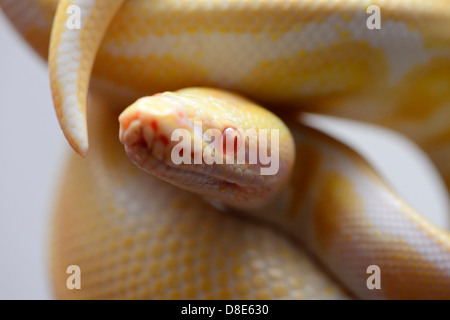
(71, 58)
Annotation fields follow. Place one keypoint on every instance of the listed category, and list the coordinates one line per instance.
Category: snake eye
(231, 141)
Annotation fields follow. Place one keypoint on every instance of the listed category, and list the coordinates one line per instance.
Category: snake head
(211, 142)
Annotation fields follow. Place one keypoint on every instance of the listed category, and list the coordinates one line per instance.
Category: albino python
(311, 230)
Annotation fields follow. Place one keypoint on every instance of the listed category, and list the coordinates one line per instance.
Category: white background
(32, 152)
(31, 158)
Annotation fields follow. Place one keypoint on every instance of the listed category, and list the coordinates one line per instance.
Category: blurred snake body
(310, 231)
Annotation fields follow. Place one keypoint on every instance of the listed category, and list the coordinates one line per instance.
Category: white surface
(31, 159)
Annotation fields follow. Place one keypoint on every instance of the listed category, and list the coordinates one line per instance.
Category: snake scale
(310, 232)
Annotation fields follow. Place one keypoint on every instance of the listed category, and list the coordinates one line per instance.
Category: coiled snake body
(135, 236)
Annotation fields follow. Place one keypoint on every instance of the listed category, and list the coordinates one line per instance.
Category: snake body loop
(135, 236)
